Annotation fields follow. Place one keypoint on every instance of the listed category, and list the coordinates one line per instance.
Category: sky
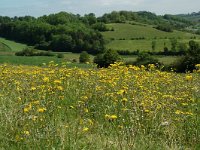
(44, 7)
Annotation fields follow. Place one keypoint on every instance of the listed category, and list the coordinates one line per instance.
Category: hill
(137, 36)
(10, 46)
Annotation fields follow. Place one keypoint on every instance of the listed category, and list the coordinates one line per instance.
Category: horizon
(38, 8)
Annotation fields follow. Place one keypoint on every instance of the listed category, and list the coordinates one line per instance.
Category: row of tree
(166, 22)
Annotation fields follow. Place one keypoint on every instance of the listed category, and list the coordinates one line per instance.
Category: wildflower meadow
(122, 107)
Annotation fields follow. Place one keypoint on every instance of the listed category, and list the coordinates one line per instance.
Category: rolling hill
(10, 46)
(139, 37)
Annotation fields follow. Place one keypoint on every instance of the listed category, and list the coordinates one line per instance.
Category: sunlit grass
(56, 107)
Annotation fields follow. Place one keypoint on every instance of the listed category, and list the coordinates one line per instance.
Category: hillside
(10, 46)
(139, 37)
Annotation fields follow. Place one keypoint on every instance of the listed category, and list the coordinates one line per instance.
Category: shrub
(107, 58)
(33, 52)
(84, 57)
(60, 55)
(164, 27)
(145, 59)
(192, 57)
(26, 52)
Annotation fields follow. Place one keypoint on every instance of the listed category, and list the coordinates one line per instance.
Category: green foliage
(192, 57)
(100, 27)
(57, 32)
(145, 59)
(164, 27)
(84, 57)
(60, 55)
(107, 58)
(32, 52)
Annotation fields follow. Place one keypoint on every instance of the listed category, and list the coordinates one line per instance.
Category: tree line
(57, 32)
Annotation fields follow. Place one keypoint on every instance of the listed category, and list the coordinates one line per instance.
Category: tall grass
(54, 107)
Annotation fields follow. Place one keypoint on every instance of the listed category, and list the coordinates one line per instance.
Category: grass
(40, 60)
(121, 107)
(142, 45)
(124, 37)
(11, 45)
(128, 31)
(166, 60)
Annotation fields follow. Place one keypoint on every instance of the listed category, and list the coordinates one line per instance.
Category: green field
(140, 37)
(129, 31)
(142, 45)
(40, 60)
(166, 60)
(7, 45)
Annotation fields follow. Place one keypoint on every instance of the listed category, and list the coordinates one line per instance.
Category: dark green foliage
(33, 52)
(165, 27)
(107, 58)
(166, 50)
(62, 43)
(145, 59)
(192, 57)
(84, 57)
(57, 32)
(60, 55)
(100, 27)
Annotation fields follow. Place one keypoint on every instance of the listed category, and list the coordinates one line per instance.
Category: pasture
(140, 37)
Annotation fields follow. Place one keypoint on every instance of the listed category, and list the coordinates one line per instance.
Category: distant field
(140, 37)
(7, 45)
(39, 60)
(128, 31)
(166, 60)
(133, 45)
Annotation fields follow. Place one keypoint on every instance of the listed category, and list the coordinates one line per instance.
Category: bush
(84, 57)
(192, 57)
(107, 58)
(60, 55)
(33, 52)
(164, 27)
(145, 59)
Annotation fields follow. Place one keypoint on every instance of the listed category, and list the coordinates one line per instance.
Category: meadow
(8, 45)
(122, 107)
(139, 37)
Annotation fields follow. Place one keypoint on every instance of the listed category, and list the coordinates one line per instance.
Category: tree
(107, 58)
(84, 57)
(145, 59)
(192, 57)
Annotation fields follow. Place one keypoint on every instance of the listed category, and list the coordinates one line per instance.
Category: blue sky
(99, 7)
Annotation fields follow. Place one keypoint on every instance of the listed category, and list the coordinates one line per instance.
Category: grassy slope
(11, 45)
(128, 32)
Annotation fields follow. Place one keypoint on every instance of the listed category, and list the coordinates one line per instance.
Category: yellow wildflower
(41, 110)
(188, 77)
(85, 129)
(26, 132)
